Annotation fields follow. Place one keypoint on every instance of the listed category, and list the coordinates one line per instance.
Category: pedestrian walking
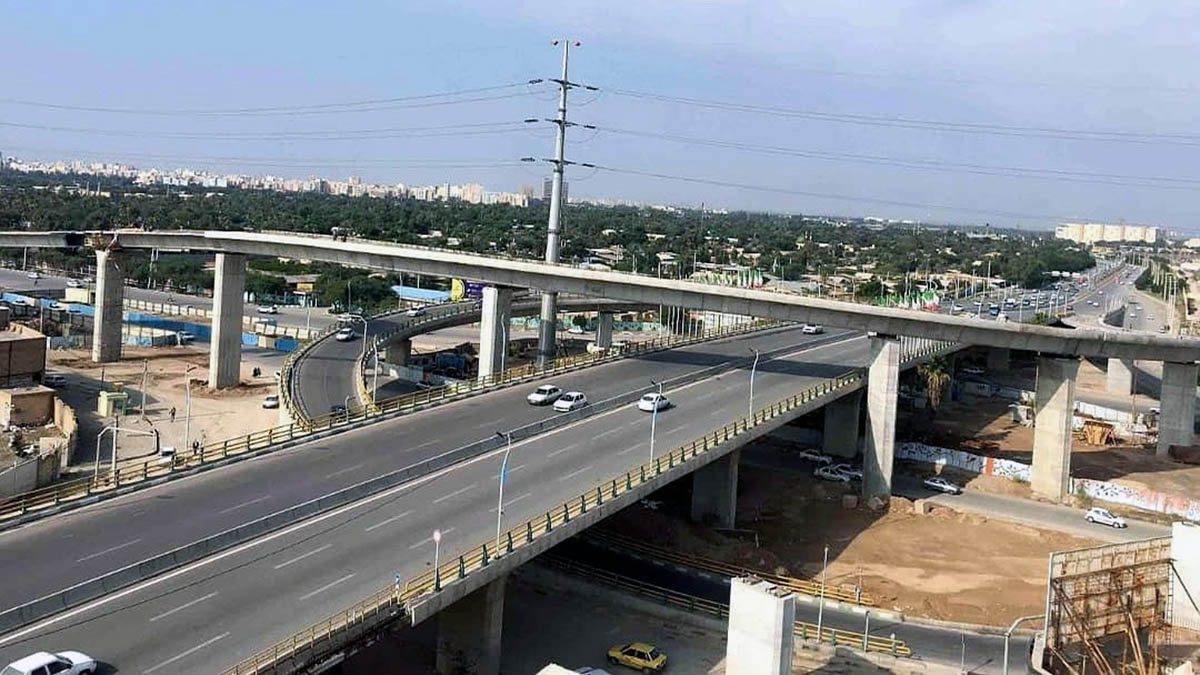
(172, 414)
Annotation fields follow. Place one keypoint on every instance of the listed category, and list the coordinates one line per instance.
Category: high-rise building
(548, 189)
(1094, 233)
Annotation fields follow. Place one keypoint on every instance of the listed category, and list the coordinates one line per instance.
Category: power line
(1160, 182)
(319, 108)
(318, 135)
(922, 124)
(833, 196)
(291, 162)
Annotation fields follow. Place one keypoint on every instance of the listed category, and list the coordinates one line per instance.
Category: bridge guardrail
(803, 629)
(334, 632)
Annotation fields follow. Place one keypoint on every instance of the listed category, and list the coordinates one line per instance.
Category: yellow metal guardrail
(806, 586)
(691, 603)
(339, 629)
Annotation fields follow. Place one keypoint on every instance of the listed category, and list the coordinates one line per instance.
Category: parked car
(572, 400)
(73, 283)
(812, 329)
(270, 401)
(53, 380)
(973, 370)
(814, 456)
(828, 473)
(185, 337)
(345, 335)
(544, 395)
(268, 309)
(956, 308)
(941, 485)
(854, 472)
(1103, 516)
(415, 311)
(653, 401)
(639, 656)
(34, 275)
(45, 663)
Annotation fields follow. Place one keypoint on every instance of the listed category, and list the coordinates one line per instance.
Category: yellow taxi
(639, 656)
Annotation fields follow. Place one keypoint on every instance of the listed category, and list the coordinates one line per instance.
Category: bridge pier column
(225, 351)
(714, 491)
(469, 632)
(398, 352)
(1178, 418)
(493, 338)
(998, 358)
(604, 330)
(1054, 408)
(761, 634)
(548, 329)
(840, 437)
(110, 296)
(1120, 376)
(882, 390)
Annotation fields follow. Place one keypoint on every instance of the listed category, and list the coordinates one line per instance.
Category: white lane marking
(606, 433)
(511, 470)
(118, 547)
(454, 494)
(348, 469)
(302, 556)
(629, 449)
(189, 652)
(326, 587)
(512, 501)
(563, 449)
(245, 504)
(182, 607)
(385, 521)
(426, 444)
(428, 540)
(576, 473)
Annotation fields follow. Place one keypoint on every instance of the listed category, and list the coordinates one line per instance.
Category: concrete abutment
(110, 298)
(1054, 410)
(469, 632)
(714, 491)
(493, 330)
(1177, 421)
(879, 450)
(225, 354)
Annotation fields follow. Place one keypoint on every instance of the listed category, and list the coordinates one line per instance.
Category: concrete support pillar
(1178, 418)
(398, 352)
(110, 296)
(840, 437)
(493, 337)
(1120, 376)
(714, 491)
(604, 330)
(761, 636)
(998, 358)
(1054, 408)
(469, 632)
(882, 392)
(225, 351)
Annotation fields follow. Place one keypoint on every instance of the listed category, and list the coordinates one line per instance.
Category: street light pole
(187, 410)
(1008, 633)
(821, 607)
(753, 369)
(500, 500)
(437, 549)
(654, 418)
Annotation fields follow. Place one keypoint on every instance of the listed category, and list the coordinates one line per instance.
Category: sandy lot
(943, 565)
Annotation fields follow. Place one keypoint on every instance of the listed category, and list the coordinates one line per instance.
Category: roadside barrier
(720, 610)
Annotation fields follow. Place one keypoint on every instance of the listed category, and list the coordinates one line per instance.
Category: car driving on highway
(34, 275)
(345, 335)
(572, 400)
(45, 663)
(812, 329)
(830, 474)
(653, 401)
(1103, 516)
(544, 395)
(73, 283)
(415, 311)
(268, 309)
(941, 485)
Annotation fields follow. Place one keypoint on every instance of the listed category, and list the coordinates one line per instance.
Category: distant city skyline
(1018, 113)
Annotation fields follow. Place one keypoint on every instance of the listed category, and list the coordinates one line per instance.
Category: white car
(850, 470)
(544, 395)
(45, 663)
(572, 400)
(271, 401)
(941, 485)
(73, 283)
(956, 308)
(814, 456)
(345, 335)
(829, 474)
(653, 401)
(185, 337)
(1104, 517)
(268, 309)
(812, 329)
(34, 275)
(415, 311)
(54, 380)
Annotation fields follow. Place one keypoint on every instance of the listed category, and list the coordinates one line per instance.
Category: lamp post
(753, 369)
(821, 607)
(115, 430)
(654, 417)
(187, 409)
(1008, 633)
(503, 474)
(437, 548)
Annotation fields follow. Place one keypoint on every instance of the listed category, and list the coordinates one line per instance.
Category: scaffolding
(1108, 608)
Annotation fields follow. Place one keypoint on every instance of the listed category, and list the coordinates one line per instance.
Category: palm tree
(937, 377)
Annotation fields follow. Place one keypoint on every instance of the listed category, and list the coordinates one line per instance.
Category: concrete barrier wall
(68, 424)
(19, 478)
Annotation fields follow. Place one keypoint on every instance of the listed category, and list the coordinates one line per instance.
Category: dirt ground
(943, 565)
(215, 415)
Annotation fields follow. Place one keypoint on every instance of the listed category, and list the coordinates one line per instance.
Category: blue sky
(1128, 67)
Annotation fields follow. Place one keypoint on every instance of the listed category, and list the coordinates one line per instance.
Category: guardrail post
(599, 496)
(484, 558)
(528, 531)
(803, 631)
(643, 468)
(462, 568)
(509, 542)
(582, 504)
(566, 514)
(549, 525)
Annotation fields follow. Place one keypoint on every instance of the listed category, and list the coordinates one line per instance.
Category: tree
(937, 377)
